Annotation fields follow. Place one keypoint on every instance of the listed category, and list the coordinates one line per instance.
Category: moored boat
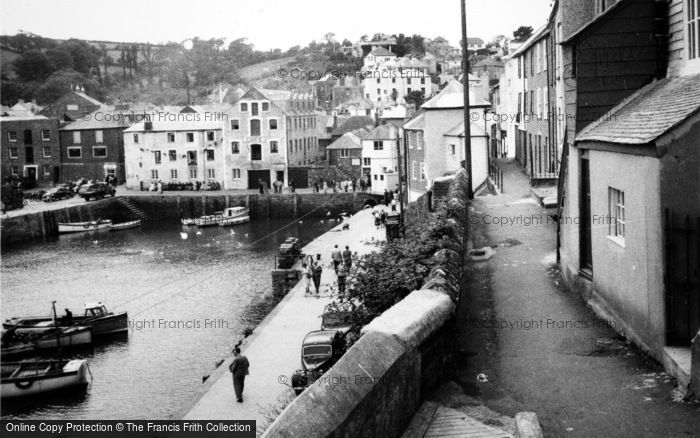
(96, 317)
(125, 225)
(81, 227)
(39, 377)
(188, 221)
(234, 216)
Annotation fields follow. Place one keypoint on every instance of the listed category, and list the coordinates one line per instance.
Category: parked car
(57, 193)
(97, 190)
(320, 350)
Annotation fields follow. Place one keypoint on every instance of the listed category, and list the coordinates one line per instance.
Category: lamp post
(467, 109)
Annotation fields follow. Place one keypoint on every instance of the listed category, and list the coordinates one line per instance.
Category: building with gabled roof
(380, 159)
(72, 106)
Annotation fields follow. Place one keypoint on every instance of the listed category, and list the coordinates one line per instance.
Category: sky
(267, 24)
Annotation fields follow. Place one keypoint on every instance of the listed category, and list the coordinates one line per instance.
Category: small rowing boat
(39, 377)
(81, 227)
(125, 225)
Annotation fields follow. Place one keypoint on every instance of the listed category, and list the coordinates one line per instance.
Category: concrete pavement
(274, 347)
(529, 344)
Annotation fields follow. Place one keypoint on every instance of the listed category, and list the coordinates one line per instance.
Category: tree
(418, 45)
(523, 33)
(415, 97)
(86, 58)
(60, 58)
(33, 66)
(60, 82)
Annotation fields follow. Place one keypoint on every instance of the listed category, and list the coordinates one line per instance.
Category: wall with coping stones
(380, 382)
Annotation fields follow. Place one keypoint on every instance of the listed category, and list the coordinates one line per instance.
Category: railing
(496, 175)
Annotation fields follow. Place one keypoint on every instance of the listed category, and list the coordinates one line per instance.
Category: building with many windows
(380, 159)
(173, 151)
(30, 149)
(268, 134)
(388, 80)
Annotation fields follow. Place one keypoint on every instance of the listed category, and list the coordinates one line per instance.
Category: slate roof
(172, 126)
(452, 97)
(353, 123)
(476, 130)
(609, 12)
(383, 132)
(417, 123)
(81, 125)
(648, 114)
(347, 141)
(536, 36)
(381, 51)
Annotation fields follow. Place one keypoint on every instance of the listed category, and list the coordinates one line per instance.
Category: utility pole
(467, 107)
(400, 161)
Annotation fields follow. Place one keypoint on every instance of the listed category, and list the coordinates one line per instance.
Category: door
(56, 174)
(254, 177)
(280, 175)
(586, 248)
(29, 155)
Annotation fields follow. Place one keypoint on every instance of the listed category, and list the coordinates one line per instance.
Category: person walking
(318, 270)
(316, 188)
(239, 369)
(291, 186)
(337, 257)
(342, 276)
(347, 257)
(308, 268)
(386, 197)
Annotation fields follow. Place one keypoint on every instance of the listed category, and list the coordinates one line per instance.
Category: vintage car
(338, 317)
(57, 193)
(320, 350)
(97, 190)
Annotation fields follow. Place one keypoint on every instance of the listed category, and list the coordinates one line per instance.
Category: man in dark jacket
(239, 369)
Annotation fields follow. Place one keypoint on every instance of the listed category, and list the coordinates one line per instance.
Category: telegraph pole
(467, 107)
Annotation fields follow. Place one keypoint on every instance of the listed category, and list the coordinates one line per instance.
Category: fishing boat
(39, 377)
(81, 227)
(96, 316)
(19, 344)
(125, 225)
(234, 216)
(188, 221)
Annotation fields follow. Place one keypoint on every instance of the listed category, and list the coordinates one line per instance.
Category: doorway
(254, 177)
(585, 245)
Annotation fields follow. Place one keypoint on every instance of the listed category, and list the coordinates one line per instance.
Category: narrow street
(540, 348)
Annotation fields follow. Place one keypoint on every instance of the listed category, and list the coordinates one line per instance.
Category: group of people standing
(342, 262)
(277, 187)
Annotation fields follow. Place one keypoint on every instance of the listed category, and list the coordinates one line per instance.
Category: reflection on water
(190, 297)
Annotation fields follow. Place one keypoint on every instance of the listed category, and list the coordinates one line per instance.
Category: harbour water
(190, 294)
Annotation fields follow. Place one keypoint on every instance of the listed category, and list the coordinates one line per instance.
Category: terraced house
(30, 148)
(271, 135)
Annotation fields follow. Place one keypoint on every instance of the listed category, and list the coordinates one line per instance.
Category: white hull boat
(39, 377)
(81, 227)
(125, 225)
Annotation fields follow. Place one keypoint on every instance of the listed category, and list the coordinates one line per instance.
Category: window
(172, 155)
(46, 134)
(15, 170)
(47, 169)
(209, 154)
(274, 147)
(422, 171)
(171, 137)
(99, 136)
(344, 153)
(414, 170)
(236, 173)
(254, 109)
(192, 158)
(12, 136)
(255, 152)
(616, 214)
(381, 177)
(173, 173)
(378, 80)
(190, 137)
(410, 139)
(379, 91)
(193, 173)
(520, 67)
(419, 140)
(99, 151)
(210, 136)
(76, 137)
(28, 136)
(244, 107)
(211, 173)
(366, 161)
(154, 174)
(266, 106)
(693, 11)
(255, 128)
(235, 125)
(46, 151)
(273, 124)
(378, 146)
(452, 149)
(532, 101)
(72, 107)
(157, 157)
(75, 152)
(14, 152)
(136, 138)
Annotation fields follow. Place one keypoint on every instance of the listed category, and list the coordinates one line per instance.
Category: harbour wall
(169, 208)
(402, 354)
